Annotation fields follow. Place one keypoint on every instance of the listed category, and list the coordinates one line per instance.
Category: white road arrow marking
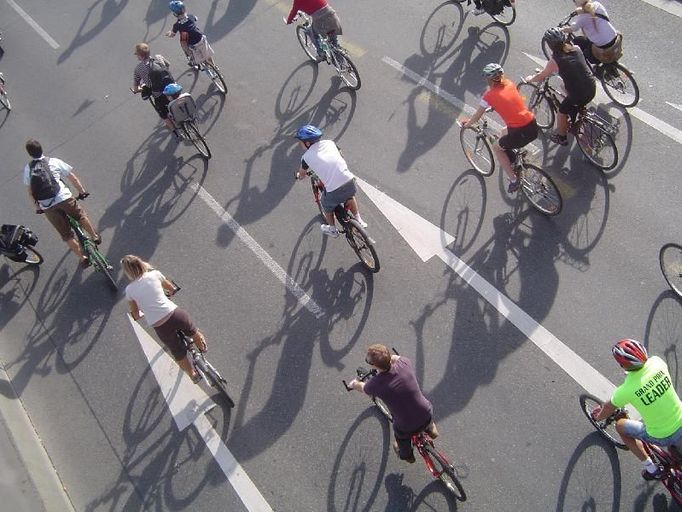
(188, 403)
(428, 240)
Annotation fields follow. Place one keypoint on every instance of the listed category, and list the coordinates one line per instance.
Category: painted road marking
(34, 25)
(292, 286)
(672, 6)
(674, 105)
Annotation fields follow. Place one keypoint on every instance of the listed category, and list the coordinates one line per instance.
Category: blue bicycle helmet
(172, 89)
(308, 133)
(176, 7)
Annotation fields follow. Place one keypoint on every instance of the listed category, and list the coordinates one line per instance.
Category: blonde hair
(142, 49)
(134, 267)
(379, 356)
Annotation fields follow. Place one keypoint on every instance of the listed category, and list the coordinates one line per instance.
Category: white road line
(674, 105)
(672, 6)
(663, 127)
(34, 25)
(303, 298)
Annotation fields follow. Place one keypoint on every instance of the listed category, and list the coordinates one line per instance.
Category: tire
(306, 42)
(540, 190)
(596, 144)
(217, 381)
(217, 78)
(197, 139)
(607, 428)
(317, 195)
(619, 84)
(383, 408)
(101, 264)
(477, 150)
(4, 99)
(537, 103)
(362, 245)
(507, 16)
(347, 70)
(670, 261)
(33, 257)
(446, 471)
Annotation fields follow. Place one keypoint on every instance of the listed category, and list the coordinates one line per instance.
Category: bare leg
(352, 205)
(562, 124)
(75, 247)
(199, 341)
(635, 445)
(187, 366)
(329, 218)
(85, 222)
(503, 159)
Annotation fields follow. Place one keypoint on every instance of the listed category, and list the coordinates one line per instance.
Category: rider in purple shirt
(396, 384)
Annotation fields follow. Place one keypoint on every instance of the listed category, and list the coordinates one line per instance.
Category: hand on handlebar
(82, 195)
(595, 412)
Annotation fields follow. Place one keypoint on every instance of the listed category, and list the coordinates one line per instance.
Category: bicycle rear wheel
(99, 261)
(619, 84)
(597, 144)
(507, 16)
(383, 408)
(538, 104)
(477, 150)
(347, 70)
(305, 39)
(445, 472)
(540, 190)
(197, 139)
(670, 260)
(317, 195)
(33, 257)
(362, 245)
(607, 427)
(216, 77)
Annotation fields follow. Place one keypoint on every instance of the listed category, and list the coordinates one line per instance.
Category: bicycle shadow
(464, 210)
(663, 332)
(402, 498)
(218, 26)
(16, 288)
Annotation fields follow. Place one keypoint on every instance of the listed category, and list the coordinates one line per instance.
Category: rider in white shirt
(593, 20)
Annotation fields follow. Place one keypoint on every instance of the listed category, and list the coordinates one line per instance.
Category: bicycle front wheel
(597, 144)
(317, 195)
(33, 257)
(538, 104)
(216, 77)
(362, 245)
(670, 260)
(215, 380)
(445, 472)
(305, 39)
(99, 261)
(4, 97)
(347, 70)
(540, 190)
(619, 84)
(507, 16)
(606, 428)
(477, 150)
(383, 408)
(197, 139)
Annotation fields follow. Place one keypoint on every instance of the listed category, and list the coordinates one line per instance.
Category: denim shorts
(636, 429)
(330, 200)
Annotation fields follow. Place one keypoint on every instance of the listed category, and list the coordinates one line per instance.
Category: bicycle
(212, 70)
(617, 80)
(536, 184)
(670, 460)
(595, 135)
(505, 17)
(182, 112)
(4, 97)
(670, 261)
(334, 54)
(17, 244)
(436, 462)
(356, 236)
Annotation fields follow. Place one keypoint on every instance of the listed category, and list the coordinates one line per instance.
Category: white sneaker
(329, 230)
(362, 223)
(478, 12)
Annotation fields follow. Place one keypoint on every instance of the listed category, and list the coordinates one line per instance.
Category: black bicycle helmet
(555, 37)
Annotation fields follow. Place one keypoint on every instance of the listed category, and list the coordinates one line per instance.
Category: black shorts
(161, 105)
(167, 332)
(519, 137)
(572, 104)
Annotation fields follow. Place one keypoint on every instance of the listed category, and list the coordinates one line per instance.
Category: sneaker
(432, 431)
(478, 11)
(362, 223)
(562, 140)
(513, 186)
(656, 475)
(97, 239)
(196, 379)
(321, 57)
(85, 262)
(330, 230)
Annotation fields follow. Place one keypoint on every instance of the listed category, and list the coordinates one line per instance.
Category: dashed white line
(671, 6)
(34, 24)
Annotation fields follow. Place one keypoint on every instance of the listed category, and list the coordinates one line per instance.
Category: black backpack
(494, 7)
(44, 185)
(159, 76)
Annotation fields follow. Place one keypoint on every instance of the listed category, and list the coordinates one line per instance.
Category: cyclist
(178, 110)
(325, 21)
(649, 389)
(324, 158)
(503, 97)
(396, 384)
(62, 204)
(593, 20)
(152, 81)
(148, 293)
(481, 10)
(192, 40)
(578, 80)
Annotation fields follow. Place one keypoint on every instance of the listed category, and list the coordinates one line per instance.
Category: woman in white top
(148, 292)
(596, 26)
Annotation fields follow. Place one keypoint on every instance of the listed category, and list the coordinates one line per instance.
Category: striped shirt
(141, 73)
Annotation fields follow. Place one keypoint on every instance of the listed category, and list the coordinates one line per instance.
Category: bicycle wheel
(477, 150)
(362, 245)
(199, 142)
(347, 70)
(670, 260)
(507, 16)
(99, 261)
(4, 99)
(540, 190)
(607, 427)
(216, 77)
(673, 483)
(33, 257)
(317, 194)
(305, 39)
(596, 144)
(383, 408)
(215, 380)
(619, 84)
(537, 103)
(445, 472)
